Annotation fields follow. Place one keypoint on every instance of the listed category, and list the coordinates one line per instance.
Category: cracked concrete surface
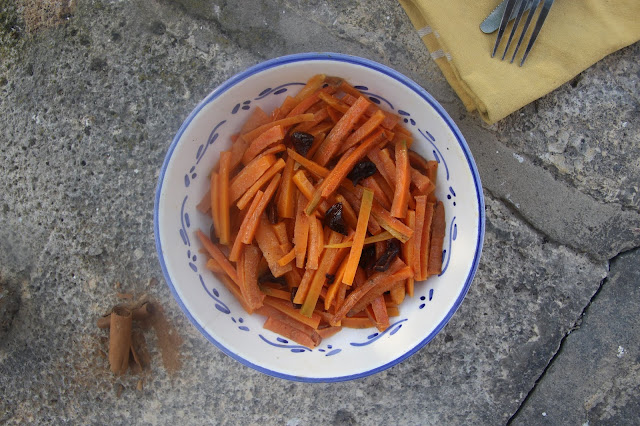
(89, 104)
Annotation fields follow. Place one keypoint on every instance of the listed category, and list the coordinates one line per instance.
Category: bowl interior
(351, 353)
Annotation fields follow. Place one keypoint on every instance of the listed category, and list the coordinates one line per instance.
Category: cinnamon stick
(141, 312)
(120, 339)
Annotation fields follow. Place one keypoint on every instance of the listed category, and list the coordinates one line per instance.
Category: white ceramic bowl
(213, 310)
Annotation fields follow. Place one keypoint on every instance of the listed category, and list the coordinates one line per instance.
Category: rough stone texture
(595, 378)
(89, 105)
(568, 216)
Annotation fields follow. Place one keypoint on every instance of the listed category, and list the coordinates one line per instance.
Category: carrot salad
(323, 217)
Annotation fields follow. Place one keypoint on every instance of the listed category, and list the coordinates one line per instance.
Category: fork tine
(532, 11)
(523, 5)
(503, 23)
(536, 30)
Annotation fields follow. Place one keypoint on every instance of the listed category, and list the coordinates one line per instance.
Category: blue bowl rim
(325, 56)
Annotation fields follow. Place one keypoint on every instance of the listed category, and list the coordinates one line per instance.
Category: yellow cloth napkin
(576, 34)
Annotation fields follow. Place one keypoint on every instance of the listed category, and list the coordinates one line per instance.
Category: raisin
(268, 277)
(333, 219)
(330, 278)
(362, 170)
(368, 256)
(383, 263)
(272, 212)
(302, 142)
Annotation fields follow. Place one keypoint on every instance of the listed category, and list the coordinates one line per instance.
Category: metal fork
(522, 5)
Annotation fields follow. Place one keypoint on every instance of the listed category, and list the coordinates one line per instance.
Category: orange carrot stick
(318, 117)
(306, 188)
(432, 174)
(348, 214)
(257, 118)
(363, 131)
(340, 131)
(334, 103)
(286, 202)
(235, 291)
(344, 166)
(268, 138)
(313, 84)
(269, 311)
(403, 178)
(380, 312)
(358, 323)
(353, 200)
(270, 247)
(287, 308)
(287, 258)
(334, 117)
(238, 148)
(418, 161)
(327, 332)
(390, 223)
(423, 183)
(380, 196)
(358, 239)
(275, 292)
(310, 165)
(303, 289)
(331, 294)
(437, 240)
(315, 232)
(386, 172)
(237, 247)
(288, 121)
(249, 232)
(383, 236)
(401, 133)
(248, 176)
(213, 266)
(289, 332)
(218, 256)
(350, 90)
(334, 288)
(215, 202)
(397, 279)
(421, 206)
(282, 233)
(341, 170)
(223, 194)
(249, 284)
(306, 103)
(283, 110)
(246, 197)
(301, 232)
(319, 279)
(318, 140)
(398, 294)
(408, 251)
(426, 240)
(390, 120)
(323, 127)
(293, 277)
(204, 205)
(274, 149)
(361, 290)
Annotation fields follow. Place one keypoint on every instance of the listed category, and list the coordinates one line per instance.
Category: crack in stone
(576, 326)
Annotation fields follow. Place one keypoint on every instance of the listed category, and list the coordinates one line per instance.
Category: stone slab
(595, 378)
